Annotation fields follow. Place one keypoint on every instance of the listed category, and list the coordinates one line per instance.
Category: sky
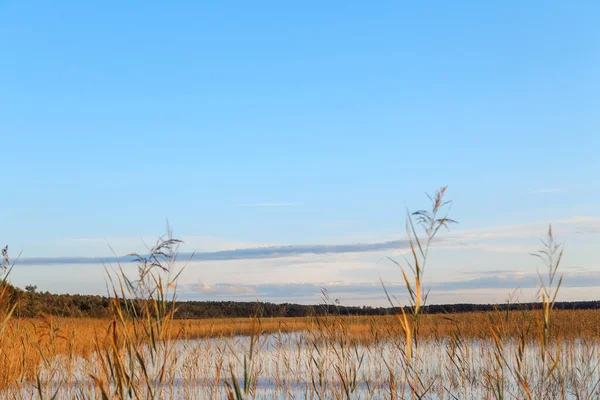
(284, 143)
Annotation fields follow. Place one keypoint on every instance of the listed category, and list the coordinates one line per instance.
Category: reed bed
(32, 340)
(326, 363)
(142, 352)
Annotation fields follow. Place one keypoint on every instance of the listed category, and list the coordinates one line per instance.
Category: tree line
(32, 303)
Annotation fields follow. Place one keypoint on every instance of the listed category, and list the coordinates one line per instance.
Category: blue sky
(267, 124)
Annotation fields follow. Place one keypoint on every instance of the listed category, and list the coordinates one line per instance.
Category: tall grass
(431, 222)
(5, 268)
(550, 255)
(138, 361)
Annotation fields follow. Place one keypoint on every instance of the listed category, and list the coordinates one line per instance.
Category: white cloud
(218, 289)
(537, 229)
(492, 256)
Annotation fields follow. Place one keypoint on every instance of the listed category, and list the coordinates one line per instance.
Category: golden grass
(27, 342)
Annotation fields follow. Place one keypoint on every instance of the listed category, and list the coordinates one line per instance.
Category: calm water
(296, 366)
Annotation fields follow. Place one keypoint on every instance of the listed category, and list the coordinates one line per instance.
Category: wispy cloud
(299, 292)
(220, 289)
(587, 230)
(238, 254)
(506, 238)
(296, 273)
(309, 292)
(271, 204)
(577, 224)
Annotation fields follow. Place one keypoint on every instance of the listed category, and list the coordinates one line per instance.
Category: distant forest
(31, 303)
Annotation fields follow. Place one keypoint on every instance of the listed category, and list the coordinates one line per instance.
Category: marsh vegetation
(143, 352)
